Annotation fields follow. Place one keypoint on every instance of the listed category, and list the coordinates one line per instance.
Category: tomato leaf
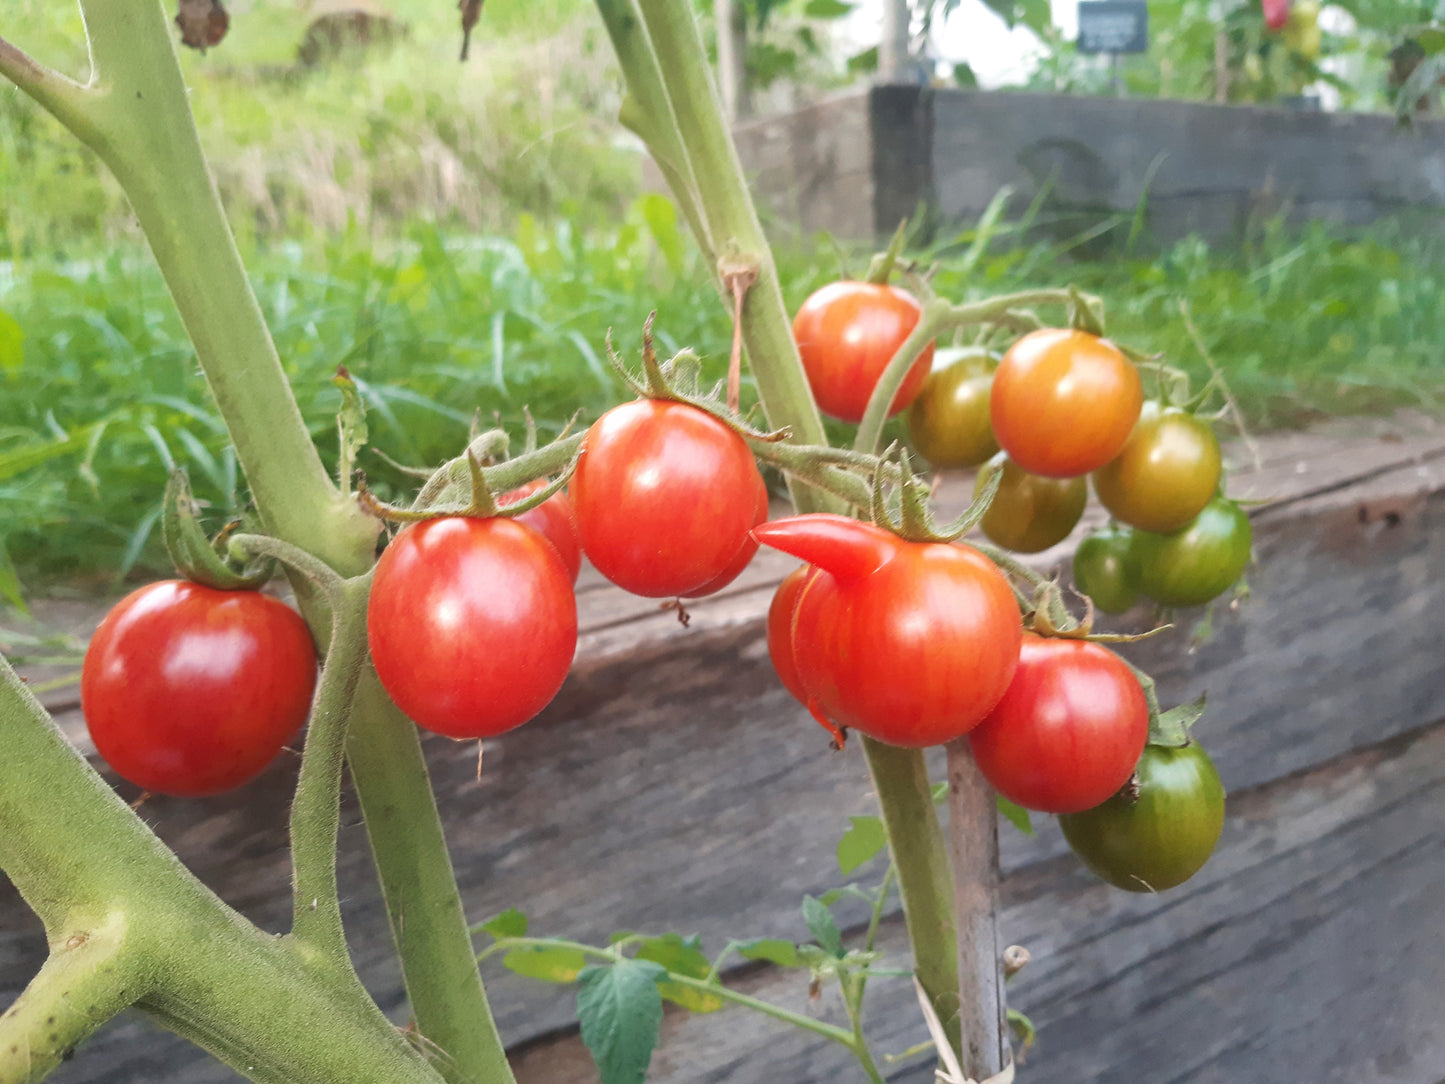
(681, 956)
(12, 344)
(1023, 1027)
(546, 964)
(510, 923)
(822, 926)
(660, 214)
(861, 842)
(620, 1009)
(826, 9)
(1016, 815)
(773, 949)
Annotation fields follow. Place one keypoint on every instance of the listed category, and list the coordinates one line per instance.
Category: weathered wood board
(674, 785)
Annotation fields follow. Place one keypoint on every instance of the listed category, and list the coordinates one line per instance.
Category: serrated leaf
(1016, 815)
(620, 1010)
(823, 926)
(546, 964)
(861, 842)
(510, 923)
(681, 956)
(773, 949)
(12, 344)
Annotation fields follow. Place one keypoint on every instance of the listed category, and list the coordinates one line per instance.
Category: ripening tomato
(847, 332)
(472, 624)
(1030, 513)
(1069, 730)
(781, 613)
(1064, 402)
(1159, 833)
(912, 643)
(1276, 13)
(1106, 568)
(1166, 473)
(1199, 563)
(192, 691)
(744, 555)
(949, 421)
(665, 495)
(555, 520)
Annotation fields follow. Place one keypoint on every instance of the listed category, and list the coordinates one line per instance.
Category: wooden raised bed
(675, 785)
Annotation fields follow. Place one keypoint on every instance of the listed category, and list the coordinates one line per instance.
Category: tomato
(1106, 568)
(744, 555)
(1064, 402)
(1201, 562)
(555, 520)
(1302, 34)
(1276, 13)
(911, 643)
(847, 332)
(1068, 731)
(192, 691)
(780, 629)
(949, 421)
(1163, 836)
(472, 624)
(1166, 473)
(665, 496)
(1030, 513)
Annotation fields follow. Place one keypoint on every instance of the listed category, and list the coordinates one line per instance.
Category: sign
(1113, 26)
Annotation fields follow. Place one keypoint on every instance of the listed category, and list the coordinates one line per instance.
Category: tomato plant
(949, 420)
(1064, 402)
(1068, 731)
(1159, 832)
(1106, 568)
(555, 520)
(472, 624)
(1030, 513)
(191, 691)
(1198, 563)
(665, 495)
(846, 333)
(1166, 473)
(911, 643)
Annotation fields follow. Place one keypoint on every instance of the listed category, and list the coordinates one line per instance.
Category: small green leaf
(1023, 1027)
(12, 344)
(773, 949)
(1016, 815)
(660, 214)
(866, 61)
(681, 956)
(827, 9)
(10, 581)
(510, 923)
(620, 935)
(823, 926)
(546, 964)
(939, 792)
(191, 551)
(861, 842)
(350, 424)
(620, 1009)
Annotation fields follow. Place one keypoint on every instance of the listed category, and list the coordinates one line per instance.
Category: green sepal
(1086, 312)
(194, 555)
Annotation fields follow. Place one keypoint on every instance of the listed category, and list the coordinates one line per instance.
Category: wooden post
(893, 48)
(973, 843)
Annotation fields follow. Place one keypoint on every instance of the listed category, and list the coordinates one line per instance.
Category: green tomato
(1198, 563)
(1166, 474)
(949, 421)
(1163, 836)
(1030, 513)
(1106, 568)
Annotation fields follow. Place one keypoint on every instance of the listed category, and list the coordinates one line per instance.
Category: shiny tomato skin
(949, 420)
(1199, 563)
(665, 495)
(847, 332)
(1029, 513)
(191, 691)
(1106, 568)
(1064, 402)
(781, 613)
(1165, 474)
(555, 520)
(472, 624)
(910, 643)
(744, 555)
(1069, 730)
(1160, 837)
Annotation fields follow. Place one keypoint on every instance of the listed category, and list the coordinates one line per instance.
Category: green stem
(316, 811)
(853, 986)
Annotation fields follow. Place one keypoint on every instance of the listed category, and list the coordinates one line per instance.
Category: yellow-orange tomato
(1166, 474)
(1030, 513)
(1064, 402)
(948, 422)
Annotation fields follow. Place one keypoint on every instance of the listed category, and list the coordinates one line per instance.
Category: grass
(100, 394)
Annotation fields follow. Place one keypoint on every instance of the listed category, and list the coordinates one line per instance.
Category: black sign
(1113, 26)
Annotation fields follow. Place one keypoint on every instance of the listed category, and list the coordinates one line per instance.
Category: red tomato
(665, 496)
(1276, 13)
(472, 624)
(1068, 732)
(556, 521)
(744, 555)
(911, 643)
(847, 332)
(1064, 402)
(192, 691)
(781, 612)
